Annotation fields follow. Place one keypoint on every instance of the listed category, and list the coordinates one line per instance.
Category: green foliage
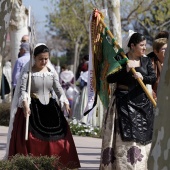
(4, 114)
(21, 162)
(81, 129)
(158, 18)
(146, 17)
(62, 60)
(53, 60)
(70, 22)
(70, 19)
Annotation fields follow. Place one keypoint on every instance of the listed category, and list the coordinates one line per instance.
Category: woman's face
(41, 60)
(140, 48)
(161, 53)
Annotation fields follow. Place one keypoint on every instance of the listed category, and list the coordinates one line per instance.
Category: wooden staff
(132, 69)
(29, 74)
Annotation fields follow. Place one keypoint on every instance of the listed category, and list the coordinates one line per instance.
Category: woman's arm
(26, 108)
(23, 100)
(151, 77)
(60, 92)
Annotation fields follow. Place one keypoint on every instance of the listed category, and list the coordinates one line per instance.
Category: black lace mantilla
(47, 122)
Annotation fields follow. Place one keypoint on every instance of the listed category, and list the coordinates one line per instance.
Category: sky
(39, 12)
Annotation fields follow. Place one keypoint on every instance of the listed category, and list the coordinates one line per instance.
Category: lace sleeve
(23, 89)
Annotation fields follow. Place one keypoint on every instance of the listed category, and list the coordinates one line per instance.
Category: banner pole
(133, 70)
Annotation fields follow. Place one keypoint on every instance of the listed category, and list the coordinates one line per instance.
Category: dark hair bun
(41, 49)
(135, 39)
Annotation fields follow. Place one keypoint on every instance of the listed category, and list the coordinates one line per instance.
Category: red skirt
(63, 148)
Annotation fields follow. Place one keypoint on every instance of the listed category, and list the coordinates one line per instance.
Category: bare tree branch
(164, 24)
(132, 12)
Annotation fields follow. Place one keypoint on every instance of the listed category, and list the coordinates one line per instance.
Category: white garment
(84, 76)
(7, 72)
(66, 76)
(126, 41)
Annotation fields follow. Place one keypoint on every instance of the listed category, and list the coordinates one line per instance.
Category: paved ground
(88, 149)
(3, 134)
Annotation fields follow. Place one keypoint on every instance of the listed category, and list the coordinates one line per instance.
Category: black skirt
(47, 122)
(135, 115)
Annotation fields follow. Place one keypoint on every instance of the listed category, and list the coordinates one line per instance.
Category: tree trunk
(159, 154)
(77, 49)
(75, 56)
(114, 18)
(5, 13)
(104, 4)
(18, 28)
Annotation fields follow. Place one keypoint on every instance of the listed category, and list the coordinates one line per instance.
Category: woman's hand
(67, 107)
(130, 64)
(26, 108)
(138, 75)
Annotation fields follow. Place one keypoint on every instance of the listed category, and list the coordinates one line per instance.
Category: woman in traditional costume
(67, 82)
(49, 132)
(81, 101)
(129, 119)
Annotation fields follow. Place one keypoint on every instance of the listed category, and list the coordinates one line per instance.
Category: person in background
(82, 66)
(25, 38)
(81, 101)
(20, 63)
(128, 125)
(155, 61)
(49, 133)
(24, 50)
(6, 83)
(66, 77)
(67, 82)
(159, 48)
(161, 34)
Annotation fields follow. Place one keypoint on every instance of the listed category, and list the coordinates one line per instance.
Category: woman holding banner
(130, 115)
(49, 133)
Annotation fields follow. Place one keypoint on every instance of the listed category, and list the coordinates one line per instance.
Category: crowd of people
(128, 122)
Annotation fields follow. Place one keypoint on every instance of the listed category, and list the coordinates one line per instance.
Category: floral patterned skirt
(117, 154)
